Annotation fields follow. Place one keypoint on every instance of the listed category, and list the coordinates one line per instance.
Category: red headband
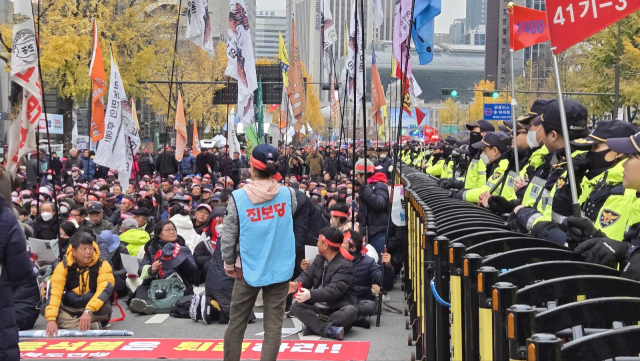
(347, 237)
(344, 252)
(338, 214)
(258, 164)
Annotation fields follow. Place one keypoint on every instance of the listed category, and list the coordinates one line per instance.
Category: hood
(182, 222)
(135, 237)
(300, 161)
(377, 177)
(96, 254)
(260, 191)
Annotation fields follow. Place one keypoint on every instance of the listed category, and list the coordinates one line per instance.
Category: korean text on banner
(571, 21)
(297, 96)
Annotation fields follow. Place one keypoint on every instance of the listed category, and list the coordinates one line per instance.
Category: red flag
(99, 87)
(528, 27)
(419, 115)
(570, 22)
(406, 98)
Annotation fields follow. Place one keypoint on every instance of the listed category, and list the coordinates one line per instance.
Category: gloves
(580, 229)
(603, 251)
(500, 205)
(390, 169)
(445, 183)
(632, 269)
(303, 295)
(453, 193)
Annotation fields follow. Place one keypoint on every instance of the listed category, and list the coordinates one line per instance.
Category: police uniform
(498, 167)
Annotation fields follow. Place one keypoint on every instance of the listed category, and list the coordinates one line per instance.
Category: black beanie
(68, 228)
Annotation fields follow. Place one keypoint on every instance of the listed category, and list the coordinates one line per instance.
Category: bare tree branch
(4, 43)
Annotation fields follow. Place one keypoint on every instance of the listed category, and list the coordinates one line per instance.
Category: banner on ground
(26, 97)
(187, 349)
(571, 21)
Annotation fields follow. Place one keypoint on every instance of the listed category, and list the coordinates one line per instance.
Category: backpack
(181, 308)
(172, 288)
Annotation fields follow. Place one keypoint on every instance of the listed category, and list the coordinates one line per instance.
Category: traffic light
(451, 92)
(491, 94)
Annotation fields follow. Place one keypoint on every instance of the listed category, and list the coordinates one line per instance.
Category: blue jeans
(378, 242)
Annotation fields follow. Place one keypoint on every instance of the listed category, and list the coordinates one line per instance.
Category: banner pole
(567, 145)
(513, 116)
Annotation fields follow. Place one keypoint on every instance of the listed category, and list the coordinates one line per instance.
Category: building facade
(476, 13)
(456, 31)
(498, 54)
(269, 23)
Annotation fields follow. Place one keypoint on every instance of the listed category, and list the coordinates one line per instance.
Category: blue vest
(267, 243)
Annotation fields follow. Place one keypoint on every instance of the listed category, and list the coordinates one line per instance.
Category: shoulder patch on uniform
(608, 218)
(496, 175)
(560, 183)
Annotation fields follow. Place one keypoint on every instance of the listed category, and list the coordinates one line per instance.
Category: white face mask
(485, 158)
(383, 156)
(218, 228)
(64, 209)
(532, 139)
(49, 177)
(46, 216)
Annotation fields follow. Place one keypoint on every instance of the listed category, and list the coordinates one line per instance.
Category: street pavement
(387, 342)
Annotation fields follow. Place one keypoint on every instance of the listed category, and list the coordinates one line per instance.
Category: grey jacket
(231, 230)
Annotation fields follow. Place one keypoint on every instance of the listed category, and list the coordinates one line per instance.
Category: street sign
(498, 111)
(449, 128)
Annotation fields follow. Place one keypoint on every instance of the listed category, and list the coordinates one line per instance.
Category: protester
(133, 238)
(166, 163)
(81, 288)
(206, 163)
(259, 252)
(373, 215)
(46, 224)
(179, 215)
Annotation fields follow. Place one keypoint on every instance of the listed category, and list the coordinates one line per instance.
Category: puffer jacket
(134, 239)
(89, 167)
(79, 290)
(188, 165)
(315, 163)
(32, 172)
(296, 169)
(373, 204)
(184, 226)
(16, 268)
(382, 166)
(96, 228)
(336, 278)
(26, 297)
(146, 164)
(366, 272)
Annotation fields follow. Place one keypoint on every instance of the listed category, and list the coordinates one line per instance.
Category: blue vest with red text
(267, 243)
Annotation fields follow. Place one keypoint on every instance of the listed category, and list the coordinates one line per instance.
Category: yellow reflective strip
(456, 318)
(485, 323)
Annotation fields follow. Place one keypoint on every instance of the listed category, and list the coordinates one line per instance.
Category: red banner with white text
(572, 21)
(112, 348)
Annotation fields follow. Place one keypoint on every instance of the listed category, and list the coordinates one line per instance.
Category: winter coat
(307, 222)
(296, 169)
(225, 166)
(373, 206)
(45, 230)
(217, 284)
(16, 268)
(184, 226)
(367, 272)
(283, 167)
(202, 254)
(315, 163)
(26, 298)
(204, 160)
(134, 239)
(70, 162)
(186, 270)
(338, 289)
(188, 165)
(382, 166)
(237, 165)
(63, 280)
(166, 163)
(56, 165)
(89, 167)
(332, 166)
(96, 228)
(33, 174)
(70, 182)
(146, 164)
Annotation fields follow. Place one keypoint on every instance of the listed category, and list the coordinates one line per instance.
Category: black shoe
(141, 306)
(362, 322)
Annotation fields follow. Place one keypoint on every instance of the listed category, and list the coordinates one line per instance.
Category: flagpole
(567, 145)
(513, 116)
(173, 67)
(364, 89)
(355, 107)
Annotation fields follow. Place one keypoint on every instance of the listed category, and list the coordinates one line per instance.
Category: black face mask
(597, 159)
(474, 137)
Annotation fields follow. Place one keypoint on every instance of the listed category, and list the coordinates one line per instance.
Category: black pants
(366, 307)
(308, 314)
(142, 292)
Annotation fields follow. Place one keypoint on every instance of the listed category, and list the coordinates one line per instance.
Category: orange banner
(181, 129)
(296, 84)
(196, 141)
(98, 86)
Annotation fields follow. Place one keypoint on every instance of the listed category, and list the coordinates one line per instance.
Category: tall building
(497, 65)
(268, 24)
(476, 13)
(456, 31)
(476, 36)
(385, 31)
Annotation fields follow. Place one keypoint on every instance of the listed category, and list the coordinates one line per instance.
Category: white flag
(199, 25)
(354, 65)
(232, 141)
(74, 120)
(378, 16)
(114, 150)
(330, 34)
(241, 62)
(26, 92)
(207, 129)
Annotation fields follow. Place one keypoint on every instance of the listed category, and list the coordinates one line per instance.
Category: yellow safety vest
(473, 195)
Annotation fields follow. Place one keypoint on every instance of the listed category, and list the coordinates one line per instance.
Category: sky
(451, 9)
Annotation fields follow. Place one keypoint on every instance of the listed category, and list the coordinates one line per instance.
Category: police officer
(607, 251)
(494, 155)
(436, 162)
(538, 199)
